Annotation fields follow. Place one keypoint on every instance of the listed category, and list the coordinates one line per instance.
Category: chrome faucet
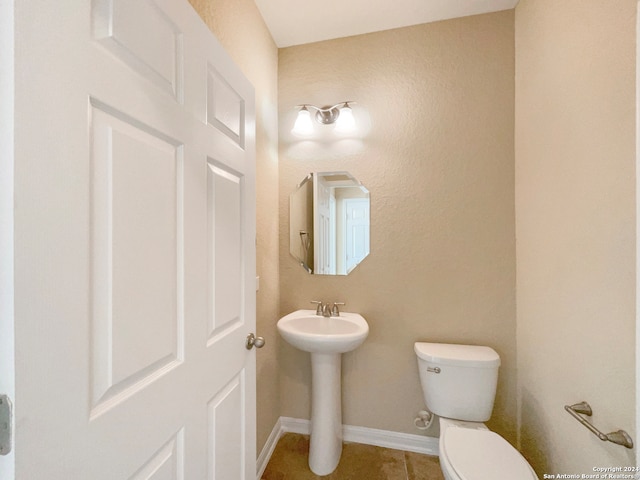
(326, 310)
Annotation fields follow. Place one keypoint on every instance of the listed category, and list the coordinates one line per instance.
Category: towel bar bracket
(619, 437)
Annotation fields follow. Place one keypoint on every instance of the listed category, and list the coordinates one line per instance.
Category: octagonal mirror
(329, 223)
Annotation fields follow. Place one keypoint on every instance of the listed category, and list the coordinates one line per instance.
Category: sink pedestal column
(326, 413)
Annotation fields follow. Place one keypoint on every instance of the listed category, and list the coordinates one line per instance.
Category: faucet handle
(335, 312)
(318, 308)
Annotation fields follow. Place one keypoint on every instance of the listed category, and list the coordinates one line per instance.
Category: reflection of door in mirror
(357, 231)
(324, 226)
(353, 227)
(329, 223)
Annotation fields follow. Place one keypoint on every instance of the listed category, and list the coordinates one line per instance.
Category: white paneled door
(324, 227)
(357, 231)
(134, 246)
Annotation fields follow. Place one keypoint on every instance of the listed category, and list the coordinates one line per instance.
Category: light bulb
(345, 122)
(303, 125)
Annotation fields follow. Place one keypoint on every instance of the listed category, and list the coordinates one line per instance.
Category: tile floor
(290, 462)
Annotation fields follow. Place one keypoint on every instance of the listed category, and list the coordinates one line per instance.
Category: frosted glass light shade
(303, 125)
(345, 122)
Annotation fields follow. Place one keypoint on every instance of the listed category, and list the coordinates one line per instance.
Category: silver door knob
(253, 341)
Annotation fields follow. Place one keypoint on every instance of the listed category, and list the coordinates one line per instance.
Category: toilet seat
(483, 455)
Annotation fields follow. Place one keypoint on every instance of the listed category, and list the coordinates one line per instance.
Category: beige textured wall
(575, 212)
(439, 163)
(238, 25)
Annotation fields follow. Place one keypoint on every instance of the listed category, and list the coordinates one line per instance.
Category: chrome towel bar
(619, 437)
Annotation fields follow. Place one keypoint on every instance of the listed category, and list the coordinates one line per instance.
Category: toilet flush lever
(433, 369)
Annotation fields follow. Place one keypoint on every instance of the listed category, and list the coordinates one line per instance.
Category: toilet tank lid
(460, 355)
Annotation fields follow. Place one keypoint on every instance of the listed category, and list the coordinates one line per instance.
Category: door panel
(225, 242)
(225, 461)
(135, 245)
(167, 463)
(225, 107)
(156, 55)
(137, 265)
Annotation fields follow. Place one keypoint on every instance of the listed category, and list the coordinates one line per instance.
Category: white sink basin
(312, 333)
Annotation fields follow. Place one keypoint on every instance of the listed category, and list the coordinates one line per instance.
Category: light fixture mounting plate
(327, 115)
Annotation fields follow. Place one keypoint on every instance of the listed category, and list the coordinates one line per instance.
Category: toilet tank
(458, 381)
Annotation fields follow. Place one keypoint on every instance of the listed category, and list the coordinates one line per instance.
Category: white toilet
(459, 384)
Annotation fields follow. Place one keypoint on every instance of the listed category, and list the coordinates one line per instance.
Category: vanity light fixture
(340, 114)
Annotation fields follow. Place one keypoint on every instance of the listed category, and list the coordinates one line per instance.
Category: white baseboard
(388, 439)
(369, 436)
(295, 425)
(268, 448)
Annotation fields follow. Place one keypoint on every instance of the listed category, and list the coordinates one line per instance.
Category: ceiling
(294, 22)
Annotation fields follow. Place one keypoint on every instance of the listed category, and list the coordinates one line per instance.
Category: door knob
(252, 341)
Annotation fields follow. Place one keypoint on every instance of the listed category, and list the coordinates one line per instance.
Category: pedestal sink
(326, 338)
